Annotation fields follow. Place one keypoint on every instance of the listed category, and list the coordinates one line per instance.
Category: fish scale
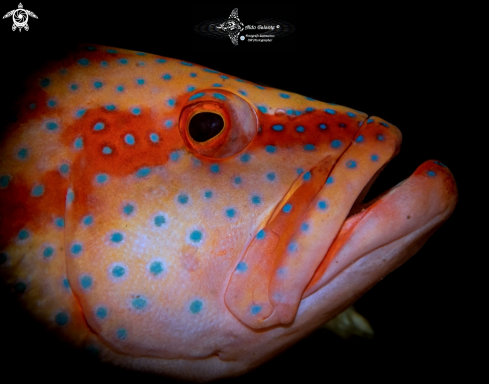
(129, 238)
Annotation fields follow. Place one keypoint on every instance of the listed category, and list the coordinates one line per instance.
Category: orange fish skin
(115, 224)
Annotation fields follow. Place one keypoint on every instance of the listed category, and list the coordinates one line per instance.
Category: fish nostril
(204, 126)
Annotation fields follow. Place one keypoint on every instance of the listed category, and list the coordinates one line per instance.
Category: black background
(399, 64)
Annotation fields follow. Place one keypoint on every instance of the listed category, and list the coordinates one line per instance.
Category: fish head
(207, 222)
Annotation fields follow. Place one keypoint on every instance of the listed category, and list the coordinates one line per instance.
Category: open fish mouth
(321, 227)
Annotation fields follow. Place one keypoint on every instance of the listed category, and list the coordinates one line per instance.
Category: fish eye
(204, 126)
(217, 123)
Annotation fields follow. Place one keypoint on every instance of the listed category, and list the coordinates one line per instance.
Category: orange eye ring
(240, 123)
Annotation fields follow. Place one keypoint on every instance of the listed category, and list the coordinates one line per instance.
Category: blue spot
(384, 124)
(101, 178)
(45, 82)
(231, 212)
(300, 128)
(350, 114)
(360, 123)
(374, 157)
(104, 63)
(128, 209)
(370, 121)
(287, 208)
(175, 156)
(323, 126)
(190, 89)
(271, 149)
(255, 309)
(74, 87)
(210, 70)
(245, 157)
(293, 247)
(196, 306)
(4, 181)
(168, 123)
(83, 62)
(166, 76)
(256, 199)
(23, 153)
(120, 88)
(171, 102)
(87, 220)
(260, 235)
(59, 222)
(208, 194)
(51, 103)
(182, 198)
(242, 267)
(143, 172)
(140, 81)
(196, 96)
(242, 92)
(136, 111)
(70, 196)
(351, 164)
(309, 147)
(76, 248)
(299, 171)
(359, 139)
(336, 143)
(307, 176)
(101, 313)
(159, 220)
(271, 176)
(19, 287)
(111, 51)
(380, 137)
(304, 227)
(61, 318)
(439, 163)
(431, 173)
(123, 61)
(86, 281)
(79, 143)
(106, 151)
(187, 64)
(284, 95)
(309, 109)
(160, 61)
(66, 283)
(322, 205)
(48, 252)
(330, 111)
(214, 168)
(32, 105)
(154, 137)
(118, 271)
(64, 169)
(237, 180)
(310, 98)
(110, 107)
(241, 81)
(219, 96)
(121, 334)
(129, 139)
(259, 87)
(156, 267)
(193, 74)
(3, 258)
(217, 85)
(38, 190)
(196, 236)
(99, 126)
(80, 113)
(329, 180)
(97, 84)
(278, 127)
(116, 237)
(224, 77)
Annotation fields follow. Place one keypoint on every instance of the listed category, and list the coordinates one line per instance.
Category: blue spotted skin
(170, 250)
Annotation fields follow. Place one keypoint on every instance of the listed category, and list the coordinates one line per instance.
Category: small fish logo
(20, 17)
(233, 26)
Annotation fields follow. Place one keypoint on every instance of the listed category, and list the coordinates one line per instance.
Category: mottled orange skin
(200, 316)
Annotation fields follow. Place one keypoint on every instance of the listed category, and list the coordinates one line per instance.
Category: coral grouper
(178, 220)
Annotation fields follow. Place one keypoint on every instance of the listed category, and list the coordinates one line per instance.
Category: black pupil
(205, 126)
